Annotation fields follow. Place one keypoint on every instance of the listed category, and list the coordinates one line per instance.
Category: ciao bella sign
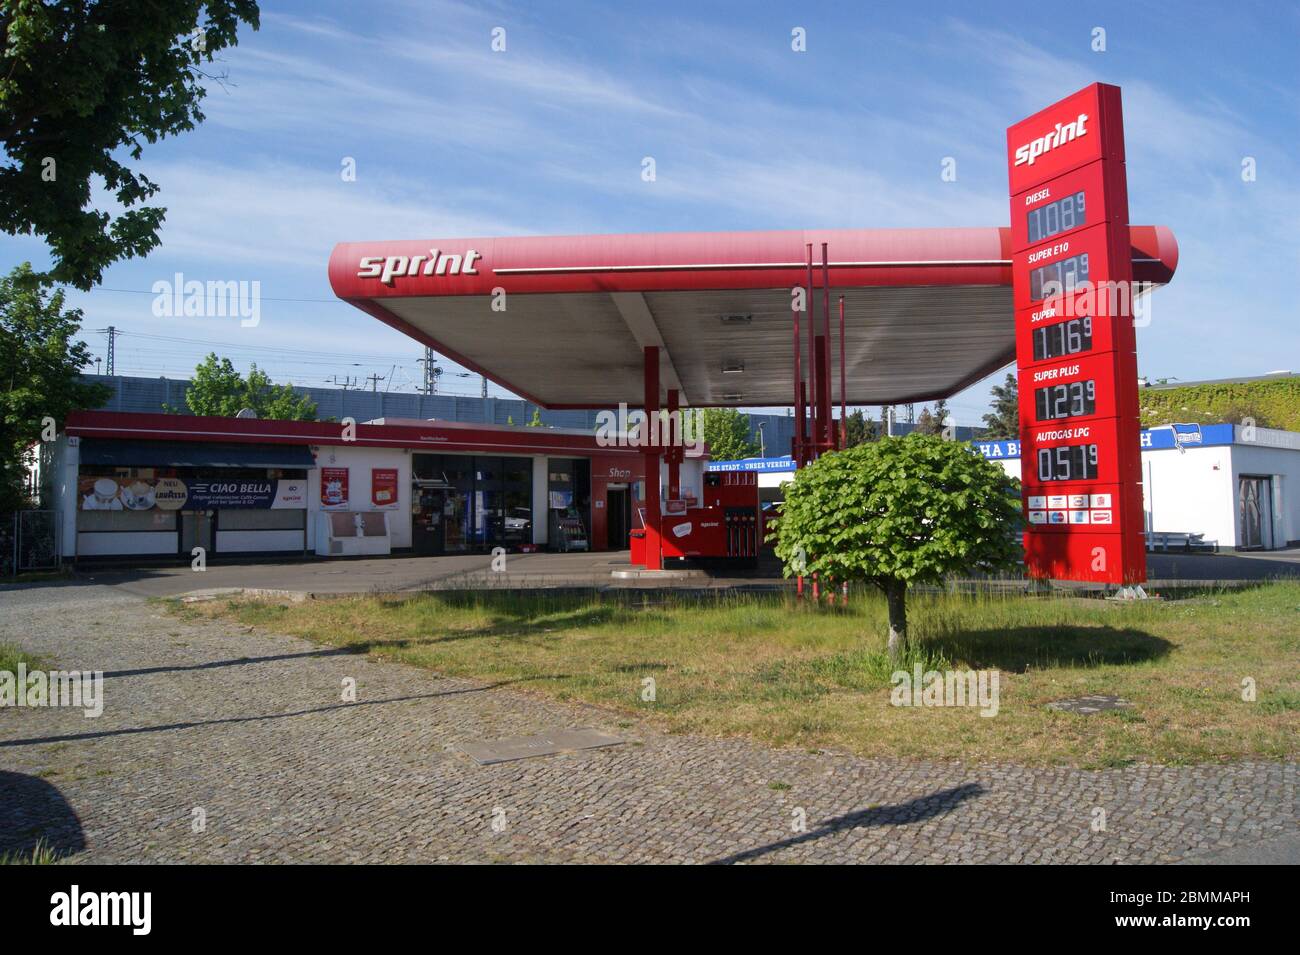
(194, 494)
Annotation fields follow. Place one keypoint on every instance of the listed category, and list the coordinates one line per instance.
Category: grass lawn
(767, 667)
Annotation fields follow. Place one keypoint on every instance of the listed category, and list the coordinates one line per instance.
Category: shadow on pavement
(34, 814)
(914, 810)
(193, 724)
(239, 661)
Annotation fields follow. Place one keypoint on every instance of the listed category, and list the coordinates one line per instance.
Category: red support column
(796, 448)
(674, 450)
(844, 408)
(801, 414)
(810, 451)
(653, 556)
(824, 424)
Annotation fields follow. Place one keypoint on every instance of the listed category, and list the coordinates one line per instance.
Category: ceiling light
(735, 319)
(733, 367)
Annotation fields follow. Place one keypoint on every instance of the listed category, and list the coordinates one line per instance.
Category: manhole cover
(1090, 704)
(545, 744)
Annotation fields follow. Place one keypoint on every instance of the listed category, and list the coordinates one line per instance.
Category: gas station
(814, 319)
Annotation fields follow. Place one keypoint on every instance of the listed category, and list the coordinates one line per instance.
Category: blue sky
(451, 138)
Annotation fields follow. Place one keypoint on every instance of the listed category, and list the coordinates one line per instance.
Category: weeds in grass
(11, 655)
(40, 854)
(1280, 702)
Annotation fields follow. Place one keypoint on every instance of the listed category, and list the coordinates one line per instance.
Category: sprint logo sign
(1062, 134)
(75, 908)
(386, 268)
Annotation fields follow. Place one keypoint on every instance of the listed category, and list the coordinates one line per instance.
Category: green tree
(40, 369)
(726, 432)
(219, 390)
(84, 84)
(897, 512)
(858, 429)
(1003, 419)
(942, 416)
(932, 422)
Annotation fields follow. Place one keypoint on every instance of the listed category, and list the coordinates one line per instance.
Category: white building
(1237, 487)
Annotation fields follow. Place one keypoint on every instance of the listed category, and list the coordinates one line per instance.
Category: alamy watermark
(213, 299)
(635, 429)
(75, 688)
(133, 910)
(975, 688)
(1101, 299)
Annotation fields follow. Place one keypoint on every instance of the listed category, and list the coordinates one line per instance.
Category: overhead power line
(264, 298)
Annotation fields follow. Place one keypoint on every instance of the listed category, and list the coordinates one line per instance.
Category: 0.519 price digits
(1074, 462)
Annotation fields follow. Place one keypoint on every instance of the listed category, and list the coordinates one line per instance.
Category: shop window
(426, 467)
(91, 522)
(252, 519)
(519, 517)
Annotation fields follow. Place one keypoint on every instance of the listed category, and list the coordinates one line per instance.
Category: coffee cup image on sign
(103, 496)
(138, 496)
(334, 492)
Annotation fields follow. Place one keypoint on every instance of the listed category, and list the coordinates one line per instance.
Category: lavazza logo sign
(386, 268)
(1062, 134)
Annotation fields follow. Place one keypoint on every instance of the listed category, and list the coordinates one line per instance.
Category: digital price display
(1071, 275)
(1056, 217)
(1073, 400)
(1078, 199)
(1060, 277)
(1070, 462)
(1064, 338)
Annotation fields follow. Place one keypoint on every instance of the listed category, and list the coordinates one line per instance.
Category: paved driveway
(246, 733)
(476, 571)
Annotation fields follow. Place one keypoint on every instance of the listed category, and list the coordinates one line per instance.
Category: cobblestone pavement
(249, 728)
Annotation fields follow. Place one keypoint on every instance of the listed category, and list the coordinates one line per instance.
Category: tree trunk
(896, 600)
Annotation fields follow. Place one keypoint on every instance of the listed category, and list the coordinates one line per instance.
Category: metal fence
(29, 541)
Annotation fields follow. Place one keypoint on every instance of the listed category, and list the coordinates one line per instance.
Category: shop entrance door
(196, 531)
(618, 518)
(1255, 503)
(427, 521)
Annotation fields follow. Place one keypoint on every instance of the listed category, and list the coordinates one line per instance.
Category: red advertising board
(383, 487)
(334, 488)
(1071, 272)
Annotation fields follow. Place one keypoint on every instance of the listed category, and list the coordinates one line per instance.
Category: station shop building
(157, 486)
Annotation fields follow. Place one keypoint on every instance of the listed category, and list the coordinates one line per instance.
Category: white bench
(1184, 541)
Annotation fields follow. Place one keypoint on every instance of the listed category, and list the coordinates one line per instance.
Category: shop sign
(204, 493)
